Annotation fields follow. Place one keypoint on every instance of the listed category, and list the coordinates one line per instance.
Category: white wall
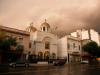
(94, 36)
(82, 34)
(33, 35)
(62, 47)
(85, 34)
(53, 49)
(74, 34)
(72, 49)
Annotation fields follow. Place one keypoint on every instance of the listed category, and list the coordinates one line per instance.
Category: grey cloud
(67, 15)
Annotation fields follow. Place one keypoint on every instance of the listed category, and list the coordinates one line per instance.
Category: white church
(43, 42)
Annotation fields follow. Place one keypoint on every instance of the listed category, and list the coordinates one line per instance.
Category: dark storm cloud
(67, 15)
(93, 20)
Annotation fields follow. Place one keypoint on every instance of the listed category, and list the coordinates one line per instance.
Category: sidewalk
(31, 65)
(41, 64)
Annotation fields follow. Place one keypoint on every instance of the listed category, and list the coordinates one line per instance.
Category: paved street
(69, 69)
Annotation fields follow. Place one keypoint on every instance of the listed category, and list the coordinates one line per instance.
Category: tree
(19, 52)
(92, 49)
(2, 37)
(98, 53)
(19, 48)
(6, 45)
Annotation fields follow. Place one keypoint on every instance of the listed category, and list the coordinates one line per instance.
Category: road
(69, 69)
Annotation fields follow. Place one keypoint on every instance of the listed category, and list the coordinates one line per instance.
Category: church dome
(31, 28)
(45, 24)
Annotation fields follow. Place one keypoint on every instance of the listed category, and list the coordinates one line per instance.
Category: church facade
(43, 42)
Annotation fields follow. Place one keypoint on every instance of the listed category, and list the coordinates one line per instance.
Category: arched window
(47, 45)
(79, 47)
(74, 46)
(53, 55)
(30, 45)
(43, 28)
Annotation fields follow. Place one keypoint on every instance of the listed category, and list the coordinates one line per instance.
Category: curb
(41, 64)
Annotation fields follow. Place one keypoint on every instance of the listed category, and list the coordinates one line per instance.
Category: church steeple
(45, 26)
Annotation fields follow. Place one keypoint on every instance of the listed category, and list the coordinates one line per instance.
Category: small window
(79, 47)
(68, 46)
(74, 45)
(20, 38)
(43, 28)
(30, 45)
(47, 45)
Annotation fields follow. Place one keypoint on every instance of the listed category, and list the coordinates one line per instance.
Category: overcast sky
(67, 15)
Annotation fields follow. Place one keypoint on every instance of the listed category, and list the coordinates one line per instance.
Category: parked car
(84, 62)
(19, 64)
(59, 62)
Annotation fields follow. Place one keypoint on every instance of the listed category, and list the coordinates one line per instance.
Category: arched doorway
(40, 56)
(53, 56)
(46, 55)
(47, 43)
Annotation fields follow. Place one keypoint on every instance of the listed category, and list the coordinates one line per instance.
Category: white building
(43, 43)
(22, 37)
(70, 47)
(87, 34)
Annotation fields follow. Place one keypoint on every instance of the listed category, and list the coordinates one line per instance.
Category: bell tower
(45, 27)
